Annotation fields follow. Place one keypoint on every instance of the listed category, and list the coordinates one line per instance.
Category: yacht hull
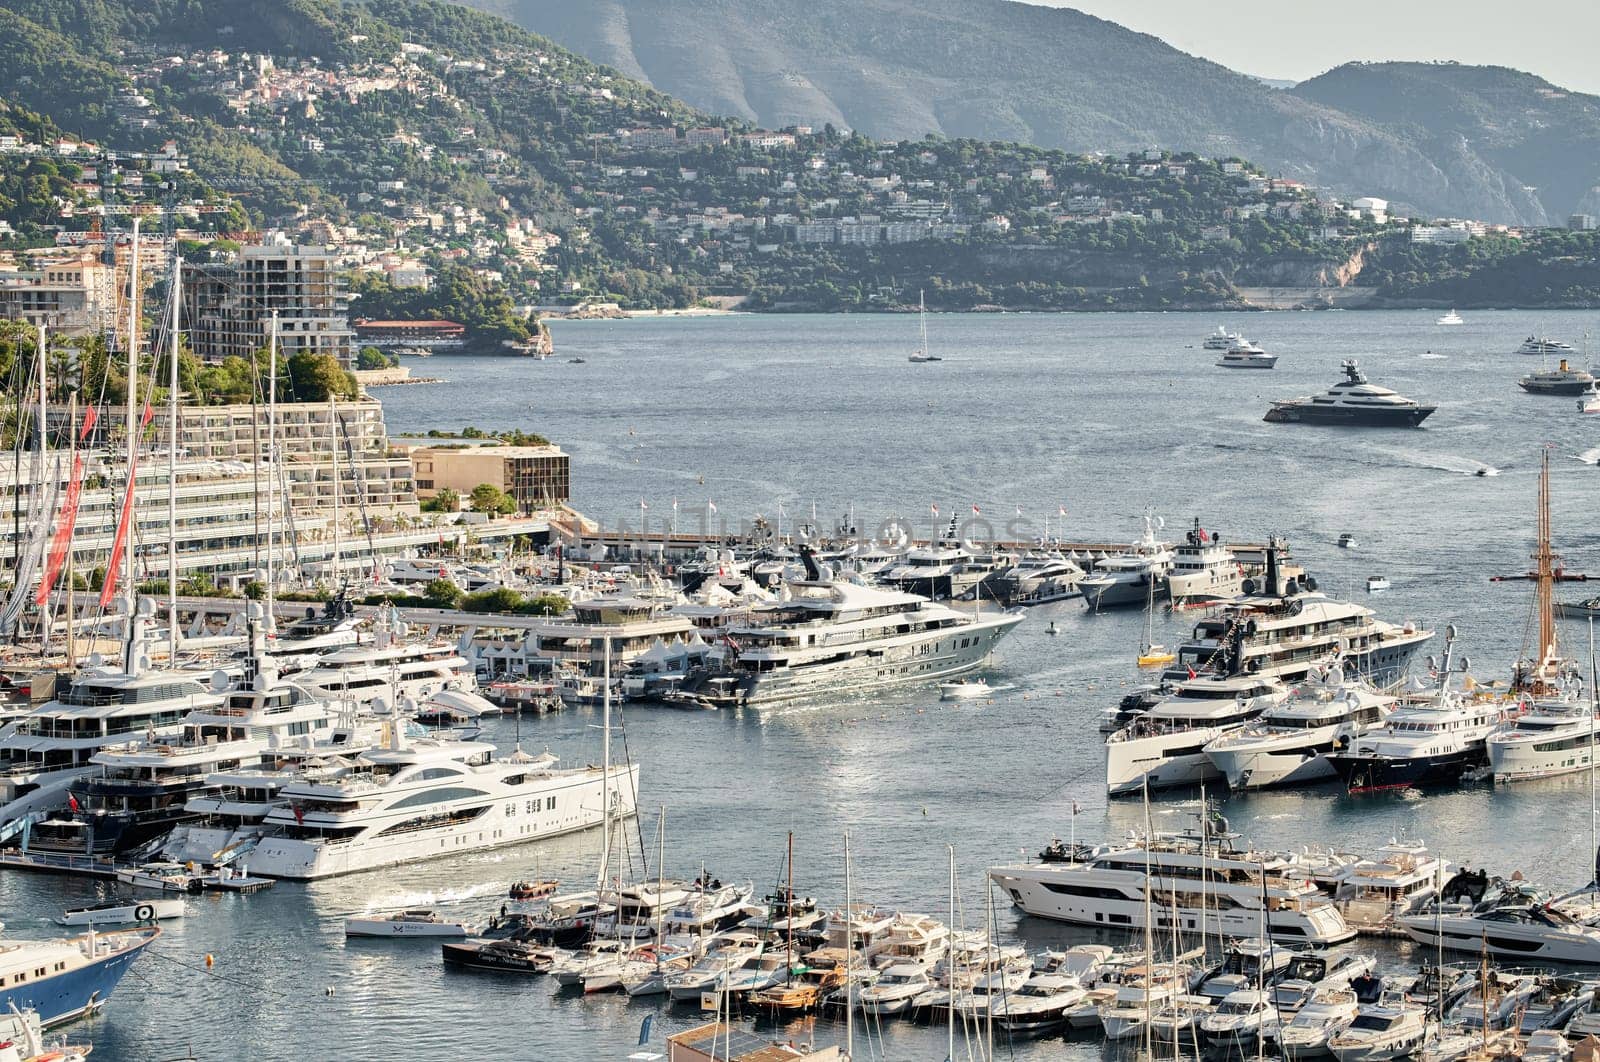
(1163, 761)
(1370, 774)
(938, 656)
(580, 808)
(1406, 417)
(1502, 940)
(1119, 593)
(75, 992)
(1256, 767)
(1524, 761)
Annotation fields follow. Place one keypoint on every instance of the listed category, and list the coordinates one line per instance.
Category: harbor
(905, 772)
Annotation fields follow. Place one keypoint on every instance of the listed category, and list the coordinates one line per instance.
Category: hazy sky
(1555, 39)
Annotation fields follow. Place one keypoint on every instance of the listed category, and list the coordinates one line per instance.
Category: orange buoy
(209, 960)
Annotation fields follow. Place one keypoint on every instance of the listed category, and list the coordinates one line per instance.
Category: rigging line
(220, 977)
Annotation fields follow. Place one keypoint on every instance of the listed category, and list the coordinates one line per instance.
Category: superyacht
(1037, 578)
(1202, 880)
(1221, 339)
(1165, 747)
(140, 790)
(1425, 744)
(1352, 402)
(1282, 628)
(430, 797)
(1562, 380)
(1544, 347)
(838, 637)
(43, 753)
(1290, 742)
(389, 671)
(1136, 577)
(1243, 354)
(1203, 569)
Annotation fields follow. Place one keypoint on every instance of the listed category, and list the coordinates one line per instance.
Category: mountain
(996, 69)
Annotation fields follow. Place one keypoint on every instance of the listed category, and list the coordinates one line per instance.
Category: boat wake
(1430, 355)
(1590, 456)
(430, 898)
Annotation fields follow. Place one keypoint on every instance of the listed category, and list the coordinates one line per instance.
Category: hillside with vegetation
(999, 69)
(516, 172)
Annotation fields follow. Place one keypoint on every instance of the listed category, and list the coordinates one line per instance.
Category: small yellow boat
(1155, 656)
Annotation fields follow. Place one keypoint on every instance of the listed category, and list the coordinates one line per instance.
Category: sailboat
(1152, 655)
(921, 354)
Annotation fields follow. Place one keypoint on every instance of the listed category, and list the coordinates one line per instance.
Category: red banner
(63, 537)
(108, 589)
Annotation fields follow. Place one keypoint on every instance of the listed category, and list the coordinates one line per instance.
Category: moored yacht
(66, 978)
(1039, 577)
(1221, 339)
(1562, 380)
(1422, 744)
(1549, 740)
(1203, 569)
(831, 636)
(389, 671)
(1290, 742)
(1135, 577)
(429, 798)
(1352, 402)
(1283, 628)
(1517, 921)
(1165, 747)
(1243, 886)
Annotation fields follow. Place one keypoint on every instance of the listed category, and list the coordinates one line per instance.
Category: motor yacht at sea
(839, 637)
(431, 797)
(1195, 875)
(1544, 347)
(1290, 742)
(1352, 402)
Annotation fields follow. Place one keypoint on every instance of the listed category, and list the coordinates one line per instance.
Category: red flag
(90, 415)
(63, 537)
(147, 416)
(72, 802)
(1203, 537)
(299, 814)
(1191, 672)
(976, 511)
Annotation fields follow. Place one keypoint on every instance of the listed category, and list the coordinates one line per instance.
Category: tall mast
(1544, 560)
(72, 603)
(605, 771)
(272, 459)
(788, 908)
(849, 974)
(128, 586)
(172, 468)
(950, 965)
(333, 417)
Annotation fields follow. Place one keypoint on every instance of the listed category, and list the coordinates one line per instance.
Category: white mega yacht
(432, 797)
(1552, 739)
(1191, 876)
(1290, 742)
(838, 637)
(1284, 629)
(389, 671)
(1165, 747)
(42, 753)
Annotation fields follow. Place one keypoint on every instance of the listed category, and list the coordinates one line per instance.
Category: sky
(1555, 39)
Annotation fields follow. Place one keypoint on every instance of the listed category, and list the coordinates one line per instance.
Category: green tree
(371, 358)
(316, 377)
(488, 498)
(445, 501)
(442, 593)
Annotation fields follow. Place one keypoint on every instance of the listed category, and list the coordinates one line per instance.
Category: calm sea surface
(1110, 415)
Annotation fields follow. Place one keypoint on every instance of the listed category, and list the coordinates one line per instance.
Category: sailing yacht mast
(272, 462)
(333, 421)
(605, 775)
(128, 586)
(172, 468)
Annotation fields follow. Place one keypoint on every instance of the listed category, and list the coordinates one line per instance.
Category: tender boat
(1378, 583)
(1353, 402)
(1040, 1006)
(162, 876)
(533, 889)
(1451, 318)
(1380, 1033)
(1306, 1035)
(121, 912)
(417, 922)
(1348, 541)
(968, 689)
(501, 956)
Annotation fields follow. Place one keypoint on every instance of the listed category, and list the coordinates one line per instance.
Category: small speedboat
(575, 361)
(1451, 318)
(1590, 404)
(164, 877)
(1377, 583)
(417, 922)
(1348, 541)
(968, 689)
(533, 889)
(120, 912)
